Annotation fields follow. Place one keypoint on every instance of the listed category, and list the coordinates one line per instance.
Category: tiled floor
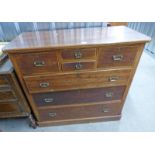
(138, 113)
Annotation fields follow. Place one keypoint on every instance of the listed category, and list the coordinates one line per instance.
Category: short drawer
(82, 80)
(37, 63)
(117, 56)
(76, 66)
(88, 53)
(7, 107)
(79, 96)
(79, 112)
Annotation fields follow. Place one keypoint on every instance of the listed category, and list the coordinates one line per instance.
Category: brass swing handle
(78, 66)
(44, 84)
(117, 57)
(106, 110)
(52, 114)
(113, 78)
(109, 94)
(78, 54)
(39, 63)
(48, 100)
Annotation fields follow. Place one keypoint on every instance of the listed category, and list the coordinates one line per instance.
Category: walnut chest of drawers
(76, 75)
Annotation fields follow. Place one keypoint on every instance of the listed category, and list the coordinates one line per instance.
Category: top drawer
(88, 53)
(117, 56)
(37, 63)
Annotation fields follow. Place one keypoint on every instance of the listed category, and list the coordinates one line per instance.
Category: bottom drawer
(79, 112)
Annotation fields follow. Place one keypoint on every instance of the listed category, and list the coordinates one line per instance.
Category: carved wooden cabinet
(76, 75)
(12, 100)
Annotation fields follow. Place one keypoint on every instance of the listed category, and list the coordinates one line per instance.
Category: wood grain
(80, 80)
(69, 38)
(78, 94)
(87, 111)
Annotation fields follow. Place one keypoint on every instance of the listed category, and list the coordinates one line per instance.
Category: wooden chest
(12, 100)
(77, 75)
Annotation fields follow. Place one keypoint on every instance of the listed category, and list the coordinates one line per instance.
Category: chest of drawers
(77, 75)
(12, 100)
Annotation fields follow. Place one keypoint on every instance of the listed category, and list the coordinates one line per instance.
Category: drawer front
(79, 96)
(79, 112)
(77, 81)
(37, 63)
(76, 66)
(116, 56)
(88, 53)
(3, 80)
(8, 107)
(6, 95)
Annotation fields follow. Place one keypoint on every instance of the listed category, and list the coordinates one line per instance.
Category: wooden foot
(32, 122)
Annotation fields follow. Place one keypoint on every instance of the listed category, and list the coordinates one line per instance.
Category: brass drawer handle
(113, 78)
(44, 84)
(78, 66)
(109, 94)
(48, 100)
(105, 110)
(39, 63)
(52, 114)
(78, 55)
(117, 57)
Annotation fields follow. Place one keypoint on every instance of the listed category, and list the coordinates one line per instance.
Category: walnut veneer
(76, 75)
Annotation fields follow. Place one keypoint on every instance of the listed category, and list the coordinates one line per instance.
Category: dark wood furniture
(12, 100)
(77, 75)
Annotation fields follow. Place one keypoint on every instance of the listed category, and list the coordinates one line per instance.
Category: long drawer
(81, 80)
(79, 96)
(79, 112)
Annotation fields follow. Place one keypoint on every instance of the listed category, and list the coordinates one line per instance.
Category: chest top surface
(75, 37)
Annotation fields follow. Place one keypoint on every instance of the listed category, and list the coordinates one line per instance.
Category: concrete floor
(138, 113)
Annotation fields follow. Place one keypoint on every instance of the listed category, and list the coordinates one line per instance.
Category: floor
(138, 113)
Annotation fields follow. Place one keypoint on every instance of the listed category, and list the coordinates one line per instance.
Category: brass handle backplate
(48, 100)
(44, 84)
(113, 78)
(105, 110)
(117, 57)
(39, 63)
(52, 114)
(78, 66)
(78, 54)
(109, 94)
